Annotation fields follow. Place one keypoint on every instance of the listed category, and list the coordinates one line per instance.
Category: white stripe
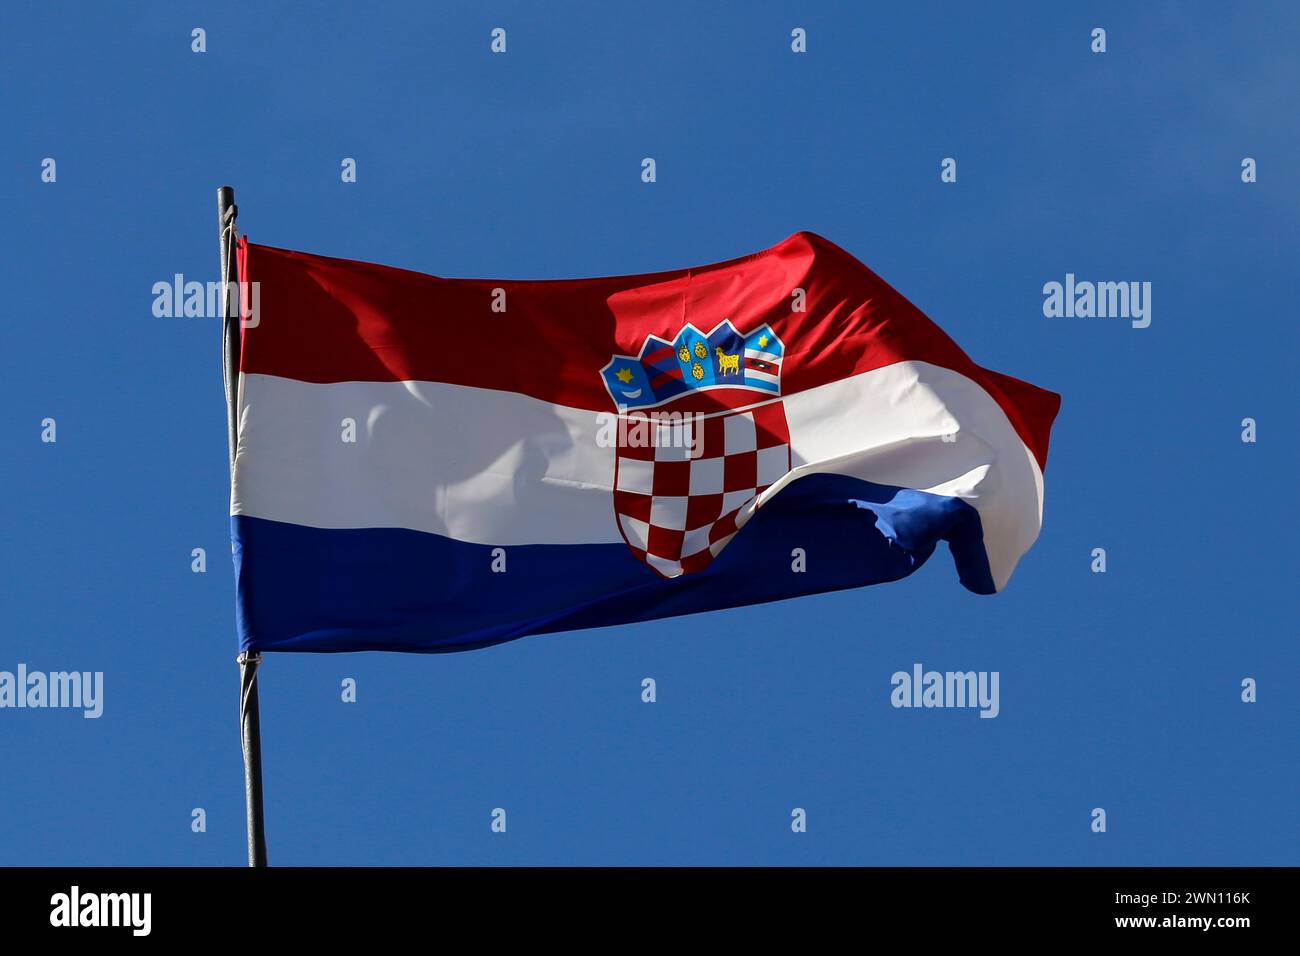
(762, 356)
(476, 464)
(758, 376)
(887, 426)
(495, 467)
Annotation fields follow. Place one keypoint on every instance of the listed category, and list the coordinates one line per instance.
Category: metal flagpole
(249, 724)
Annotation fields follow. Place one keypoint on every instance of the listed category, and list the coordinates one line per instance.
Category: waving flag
(429, 464)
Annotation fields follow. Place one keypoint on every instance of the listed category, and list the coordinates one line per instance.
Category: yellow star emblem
(762, 341)
(624, 375)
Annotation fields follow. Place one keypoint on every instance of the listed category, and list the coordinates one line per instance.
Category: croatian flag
(429, 464)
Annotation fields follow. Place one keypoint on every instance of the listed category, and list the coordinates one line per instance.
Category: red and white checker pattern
(675, 511)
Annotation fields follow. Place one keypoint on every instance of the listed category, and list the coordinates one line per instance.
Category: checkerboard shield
(684, 483)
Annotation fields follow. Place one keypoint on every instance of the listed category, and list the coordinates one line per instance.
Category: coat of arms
(701, 435)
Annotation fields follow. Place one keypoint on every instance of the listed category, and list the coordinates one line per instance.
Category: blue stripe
(311, 589)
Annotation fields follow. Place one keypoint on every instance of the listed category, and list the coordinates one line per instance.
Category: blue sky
(1118, 690)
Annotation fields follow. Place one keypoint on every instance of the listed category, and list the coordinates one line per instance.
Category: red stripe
(332, 320)
(663, 378)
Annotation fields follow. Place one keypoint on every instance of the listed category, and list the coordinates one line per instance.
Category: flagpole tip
(226, 208)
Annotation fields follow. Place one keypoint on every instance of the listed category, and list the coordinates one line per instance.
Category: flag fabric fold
(430, 464)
